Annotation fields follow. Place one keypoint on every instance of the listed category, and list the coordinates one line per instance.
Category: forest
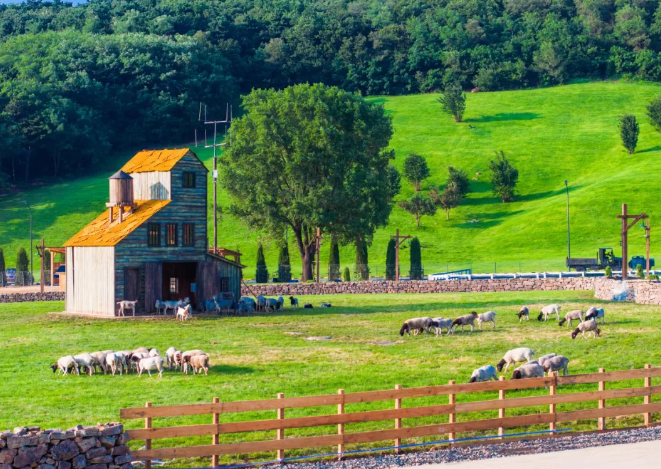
(80, 83)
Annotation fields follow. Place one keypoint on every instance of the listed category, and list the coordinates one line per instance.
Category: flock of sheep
(139, 360)
(531, 369)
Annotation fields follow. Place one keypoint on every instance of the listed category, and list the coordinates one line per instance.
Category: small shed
(152, 243)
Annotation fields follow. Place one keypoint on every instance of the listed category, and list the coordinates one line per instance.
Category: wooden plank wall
(91, 280)
(154, 185)
(278, 423)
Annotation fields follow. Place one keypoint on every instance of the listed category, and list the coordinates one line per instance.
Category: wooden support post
(43, 270)
(602, 402)
(340, 426)
(280, 431)
(451, 416)
(398, 422)
(647, 247)
(148, 442)
(552, 393)
(648, 398)
(625, 267)
(215, 440)
(501, 410)
(52, 269)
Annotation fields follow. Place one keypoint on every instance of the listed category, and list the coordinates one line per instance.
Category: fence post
(648, 397)
(281, 431)
(501, 410)
(148, 442)
(398, 422)
(552, 393)
(216, 421)
(340, 426)
(602, 402)
(451, 416)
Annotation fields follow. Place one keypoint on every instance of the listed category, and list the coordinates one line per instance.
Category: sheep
(547, 311)
(466, 320)
(326, 305)
(113, 362)
(489, 316)
(485, 373)
(543, 358)
(198, 363)
(249, 301)
(281, 302)
(153, 352)
(122, 361)
(100, 357)
(417, 325)
(64, 363)
(148, 364)
(261, 302)
(184, 313)
(211, 305)
(529, 370)
(587, 326)
(226, 304)
(185, 358)
(293, 302)
(124, 305)
(86, 360)
(576, 315)
(514, 356)
(308, 306)
(141, 350)
(160, 306)
(557, 363)
(171, 355)
(523, 313)
(246, 307)
(272, 304)
(596, 313)
(441, 323)
(136, 355)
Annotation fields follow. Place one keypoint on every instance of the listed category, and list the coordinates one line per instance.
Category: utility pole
(31, 265)
(568, 240)
(318, 239)
(647, 246)
(625, 242)
(398, 240)
(43, 272)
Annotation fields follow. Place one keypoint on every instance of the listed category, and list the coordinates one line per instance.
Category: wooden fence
(396, 414)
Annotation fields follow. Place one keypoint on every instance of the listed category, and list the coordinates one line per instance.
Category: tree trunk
(306, 249)
(447, 214)
(416, 186)
(56, 163)
(417, 221)
(27, 165)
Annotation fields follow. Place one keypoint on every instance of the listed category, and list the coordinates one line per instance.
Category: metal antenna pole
(568, 239)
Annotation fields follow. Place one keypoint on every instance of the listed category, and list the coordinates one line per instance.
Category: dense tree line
(79, 82)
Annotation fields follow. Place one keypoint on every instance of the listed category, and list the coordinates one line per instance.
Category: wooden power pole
(398, 240)
(318, 239)
(43, 259)
(626, 216)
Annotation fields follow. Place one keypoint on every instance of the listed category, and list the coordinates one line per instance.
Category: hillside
(549, 134)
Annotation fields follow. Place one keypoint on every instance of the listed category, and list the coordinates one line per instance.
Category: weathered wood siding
(154, 185)
(210, 275)
(90, 280)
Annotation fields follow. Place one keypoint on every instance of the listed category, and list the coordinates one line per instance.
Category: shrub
(284, 265)
(453, 102)
(391, 261)
(460, 178)
(261, 272)
(504, 177)
(654, 113)
(334, 260)
(608, 272)
(347, 275)
(653, 277)
(629, 131)
(418, 206)
(640, 273)
(22, 268)
(416, 169)
(416, 260)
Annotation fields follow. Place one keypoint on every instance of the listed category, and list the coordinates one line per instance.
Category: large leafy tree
(418, 206)
(416, 169)
(311, 156)
(460, 179)
(654, 113)
(453, 102)
(504, 177)
(450, 198)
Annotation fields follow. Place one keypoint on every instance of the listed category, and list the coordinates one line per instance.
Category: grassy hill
(550, 134)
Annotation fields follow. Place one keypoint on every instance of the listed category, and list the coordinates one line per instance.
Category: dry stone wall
(637, 291)
(92, 447)
(23, 297)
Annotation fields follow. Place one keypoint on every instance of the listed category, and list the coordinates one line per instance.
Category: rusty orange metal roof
(155, 160)
(101, 233)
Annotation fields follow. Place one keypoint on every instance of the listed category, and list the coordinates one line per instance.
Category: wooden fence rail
(339, 419)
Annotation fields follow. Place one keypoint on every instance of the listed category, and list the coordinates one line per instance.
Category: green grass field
(550, 134)
(253, 358)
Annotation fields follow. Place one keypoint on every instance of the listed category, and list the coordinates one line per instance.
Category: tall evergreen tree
(261, 272)
(362, 261)
(416, 260)
(284, 266)
(460, 178)
(390, 261)
(22, 268)
(629, 131)
(334, 260)
(453, 102)
(504, 177)
(3, 277)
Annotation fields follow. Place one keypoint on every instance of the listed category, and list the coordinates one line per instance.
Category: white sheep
(134, 357)
(172, 357)
(587, 326)
(184, 313)
(557, 363)
(547, 311)
(86, 360)
(126, 304)
(441, 323)
(529, 370)
(293, 302)
(153, 352)
(63, 365)
(198, 363)
(485, 373)
(543, 358)
(122, 361)
(489, 316)
(596, 313)
(417, 325)
(149, 364)
(185, 357)
(113, 361)
(575, 315)
(466, 320)
(517, 355)
(100, 358)
(160, 306)
(141, 350)
(523, 313)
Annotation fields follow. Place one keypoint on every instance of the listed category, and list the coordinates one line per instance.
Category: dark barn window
(189, 179)
(154, 234)
(171, 234)
(189, 234)
(174, 285)
(224, 284)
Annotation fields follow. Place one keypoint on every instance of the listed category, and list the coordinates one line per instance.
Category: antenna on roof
(214, 145)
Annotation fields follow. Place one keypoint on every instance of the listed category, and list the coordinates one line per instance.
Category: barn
(151, 241)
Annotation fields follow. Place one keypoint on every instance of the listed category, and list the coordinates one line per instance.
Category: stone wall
(637, 291)
(421, 286)
(93, 447)
(22, 297)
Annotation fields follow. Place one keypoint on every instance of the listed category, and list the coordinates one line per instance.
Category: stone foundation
(636, 291)
(23, 297)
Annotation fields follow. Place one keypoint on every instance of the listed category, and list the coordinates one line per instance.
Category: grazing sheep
(307, 306)
(596, 313)
(124, 305)
(547, 311)
(249, 301)
(466, 320)
(122, 361)
(587, 326)
(211, 305)
(246, 307)
(184, 313)
(523, 313)
(224, 304)
(529, 370)
(139, 355)
(326, 305)
(281, 302)
(485, 373)
(557, 363)
(261, 303)
(100, 358)
(160, 306)
(113, 362)
(149, 364)
(141, 350)
(85, 360)
(517, 355)
(272, 304)
(441, 323)
(417, 325)
(543, 358)
(63, 365)
(197, 363)
(489, 316)
(171, 355)
(293, 302)
(153, 352)
(576, 315)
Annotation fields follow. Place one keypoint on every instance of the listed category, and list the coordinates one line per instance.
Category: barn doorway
(178, 280)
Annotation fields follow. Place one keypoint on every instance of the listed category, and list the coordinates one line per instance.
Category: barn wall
(154, 185)
(91, 280)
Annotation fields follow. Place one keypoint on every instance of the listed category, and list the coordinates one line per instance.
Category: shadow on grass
(646, 150)
(487, 220)
(507, 116)
(231, 370)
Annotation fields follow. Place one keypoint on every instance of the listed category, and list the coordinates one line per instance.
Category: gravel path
(499, 450)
